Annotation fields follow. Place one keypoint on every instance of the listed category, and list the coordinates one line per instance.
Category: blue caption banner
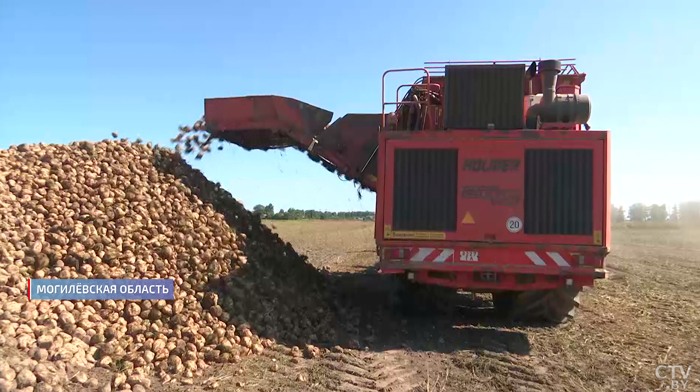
(86, 289)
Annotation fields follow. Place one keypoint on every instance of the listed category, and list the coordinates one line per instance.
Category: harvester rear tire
(555, 306)
(417, 299)
(405, 295)
(503, 302)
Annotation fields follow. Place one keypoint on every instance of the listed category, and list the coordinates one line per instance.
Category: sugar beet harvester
(487, 175)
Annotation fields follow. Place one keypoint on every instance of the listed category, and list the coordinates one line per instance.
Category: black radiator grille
(559, 191)
(425, 189)
(479, 95)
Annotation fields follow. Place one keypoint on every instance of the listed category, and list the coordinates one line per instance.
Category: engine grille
(558, 191)
(479, 95)
(425, 189)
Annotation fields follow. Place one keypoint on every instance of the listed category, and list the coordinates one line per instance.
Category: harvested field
(336, 245)
(253, 315)
(646, 314)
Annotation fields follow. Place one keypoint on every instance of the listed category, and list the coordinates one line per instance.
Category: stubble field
(646, 314)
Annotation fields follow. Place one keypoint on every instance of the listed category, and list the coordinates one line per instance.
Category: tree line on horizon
(268, 212)
(686, 212)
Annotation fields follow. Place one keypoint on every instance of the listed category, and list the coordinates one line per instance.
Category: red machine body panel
(263, 122)
(459, 265)
(483, 241)
(478, 150)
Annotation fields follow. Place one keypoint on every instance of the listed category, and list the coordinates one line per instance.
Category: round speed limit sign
(514, 224)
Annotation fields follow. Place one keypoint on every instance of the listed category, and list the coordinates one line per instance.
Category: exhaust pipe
(550, 70)
(557, 108)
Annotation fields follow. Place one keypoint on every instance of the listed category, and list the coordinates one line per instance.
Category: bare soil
(647, 313)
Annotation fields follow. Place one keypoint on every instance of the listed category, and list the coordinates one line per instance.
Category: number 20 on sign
(514, 224)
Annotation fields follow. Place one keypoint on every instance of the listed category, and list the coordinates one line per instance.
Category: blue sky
(80, 70)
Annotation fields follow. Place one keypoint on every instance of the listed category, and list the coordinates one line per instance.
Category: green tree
(296, 214)
(259, 209)
(638, 212)
(280, 214)
(658, 213)
(618, 214)
(674, 214)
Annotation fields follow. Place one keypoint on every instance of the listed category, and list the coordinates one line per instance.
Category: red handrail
(384, 103)
(492, 62)
(566, 68)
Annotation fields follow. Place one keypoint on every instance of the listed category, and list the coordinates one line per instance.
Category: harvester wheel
(552, 306)
(416, 299)
(407, 298)
(503, 302)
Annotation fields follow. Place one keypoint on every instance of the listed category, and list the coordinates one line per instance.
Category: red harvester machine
(487, 176)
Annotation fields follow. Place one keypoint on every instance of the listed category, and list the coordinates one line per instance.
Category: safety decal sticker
(468, 219)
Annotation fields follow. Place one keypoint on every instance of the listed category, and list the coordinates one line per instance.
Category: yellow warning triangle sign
(468, 219)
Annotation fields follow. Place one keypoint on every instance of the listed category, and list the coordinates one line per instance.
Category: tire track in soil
(369, 372)
(512, 371)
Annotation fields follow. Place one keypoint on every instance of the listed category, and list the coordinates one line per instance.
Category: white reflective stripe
(422, 254)
(535, 258)
(446, 253)
(558, 259)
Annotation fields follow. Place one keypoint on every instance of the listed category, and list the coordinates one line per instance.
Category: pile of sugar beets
(126, 210)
